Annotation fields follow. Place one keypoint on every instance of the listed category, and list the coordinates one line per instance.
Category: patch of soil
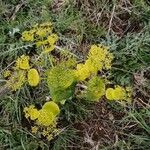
(99, 130)
(121, 20)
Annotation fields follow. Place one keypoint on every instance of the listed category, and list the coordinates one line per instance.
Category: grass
(124, 26)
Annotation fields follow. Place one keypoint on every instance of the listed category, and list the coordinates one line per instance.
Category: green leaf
(60, 77)
(95, 89)
(59, 95)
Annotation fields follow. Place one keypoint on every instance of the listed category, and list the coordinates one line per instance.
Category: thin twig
(61, 49)
(110, 22)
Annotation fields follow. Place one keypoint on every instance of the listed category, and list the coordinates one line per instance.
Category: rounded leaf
(33, 77)
(51, 107)
(109, 93)
(95, 89)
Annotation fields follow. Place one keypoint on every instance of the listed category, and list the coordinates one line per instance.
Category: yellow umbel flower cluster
(38, 31)
(22, 62)
(28, 36)
(48, 44)
(52, 107)
(22, 73)
(17, 79)
(31, 112)
(98, 58)
(118, 93)
(49, 132)
(60, 81)
(45, 119)
(45, 116)
(42, 36)
(6, 73)
(82, 72)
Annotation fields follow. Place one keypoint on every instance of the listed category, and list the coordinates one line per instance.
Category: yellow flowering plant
(16, 80)
(42, 36)
(61, 79)
(98, 58)
(23, 62)
(62, 76)
(21, 74)
(119, 93)
(45, 119)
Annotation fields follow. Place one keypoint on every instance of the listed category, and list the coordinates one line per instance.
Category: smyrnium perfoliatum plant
(62, 77)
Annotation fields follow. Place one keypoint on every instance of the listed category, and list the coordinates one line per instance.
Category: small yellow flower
(27, 36)
(44, 132)
(52, 126)
(39, 43)
(98, 52)
(108, 61)
(41, 32)
(94, 65)
(56, 131)
(49, 137)
(34, 129)
(107, 64)
(52, 39)
(51, 107)
(34, 113)
(110, 56)
(25, 110)
(23, 62)
(6, 73)
(17, 79)
(31, 112)
(99, 58)
(33, 77)
(38, 31)
(48, 48)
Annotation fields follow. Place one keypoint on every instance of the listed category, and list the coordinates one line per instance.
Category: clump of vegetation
(45, 119)
(62, 79)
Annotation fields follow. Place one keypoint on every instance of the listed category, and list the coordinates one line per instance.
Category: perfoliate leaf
(59, 95)
(59, 77)
(61, 82)
(95, 89)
